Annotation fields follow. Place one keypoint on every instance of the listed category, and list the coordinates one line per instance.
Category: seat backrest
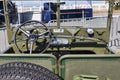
(90, 67)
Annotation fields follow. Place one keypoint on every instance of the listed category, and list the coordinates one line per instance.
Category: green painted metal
(7, 23)
(110, 13)
(72, 35)
(104, 67)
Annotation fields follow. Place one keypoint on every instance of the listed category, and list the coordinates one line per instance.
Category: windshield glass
(74, 13)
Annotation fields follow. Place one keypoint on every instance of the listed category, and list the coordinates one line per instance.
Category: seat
(89, 67)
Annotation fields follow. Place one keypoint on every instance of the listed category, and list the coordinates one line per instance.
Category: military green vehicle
(39, 51)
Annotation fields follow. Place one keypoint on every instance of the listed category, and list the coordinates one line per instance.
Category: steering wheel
(32, 36)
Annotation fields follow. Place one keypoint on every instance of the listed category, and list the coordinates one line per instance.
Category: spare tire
(26, 71)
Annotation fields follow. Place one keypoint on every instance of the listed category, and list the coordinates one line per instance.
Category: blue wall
(50, 9)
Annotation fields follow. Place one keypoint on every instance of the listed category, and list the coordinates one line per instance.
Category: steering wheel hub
(33, 37)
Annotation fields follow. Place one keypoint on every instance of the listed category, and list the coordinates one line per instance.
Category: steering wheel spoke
(44, 33)
(21, 39)
(31, 46)
(27, 34)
